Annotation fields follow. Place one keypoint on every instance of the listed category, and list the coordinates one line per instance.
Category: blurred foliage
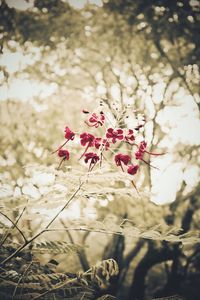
(162, 21)
(34, 26)
(123, 56)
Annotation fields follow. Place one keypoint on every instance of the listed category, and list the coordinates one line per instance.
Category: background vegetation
(126, 58)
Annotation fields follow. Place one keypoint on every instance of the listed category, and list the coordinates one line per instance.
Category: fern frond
(168, 233)
(56, 247)
(33, 282)
(106, 297)
(103, 271)
(175, 297)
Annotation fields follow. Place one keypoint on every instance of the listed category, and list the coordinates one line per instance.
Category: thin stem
(14, 226)
(22, 247)
(156, 154)
(121, 166)
(60, 147)
(149, 164)
(89, 144)
(135, 186)
(85, 230)
(67, 203)
(60, 163)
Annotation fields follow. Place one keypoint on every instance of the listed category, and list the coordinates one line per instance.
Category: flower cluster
(96, 146)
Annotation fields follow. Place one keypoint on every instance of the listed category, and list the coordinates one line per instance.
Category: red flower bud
(132, 169)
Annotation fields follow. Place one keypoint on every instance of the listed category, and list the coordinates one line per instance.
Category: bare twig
(14, 225)
(27, 242)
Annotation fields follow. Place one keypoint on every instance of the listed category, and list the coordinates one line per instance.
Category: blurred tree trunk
(115, 249)
(160, 253)
(153, 256)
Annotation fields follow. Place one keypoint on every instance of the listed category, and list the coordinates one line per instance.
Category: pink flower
(119, 158)
(129, 137)
(69, 135)
(93, 157)
(132, 169)
(64, 154)
(114, 134)
(140, 153)
(96, 120)
(87, 138)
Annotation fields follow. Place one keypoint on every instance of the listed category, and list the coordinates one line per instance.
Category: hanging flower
(132, 169)
(87, 138)
(122, 158)
(63, 153)
(69, 135)
(93, 158)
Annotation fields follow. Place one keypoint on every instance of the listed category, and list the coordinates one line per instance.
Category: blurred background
(142, 57)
